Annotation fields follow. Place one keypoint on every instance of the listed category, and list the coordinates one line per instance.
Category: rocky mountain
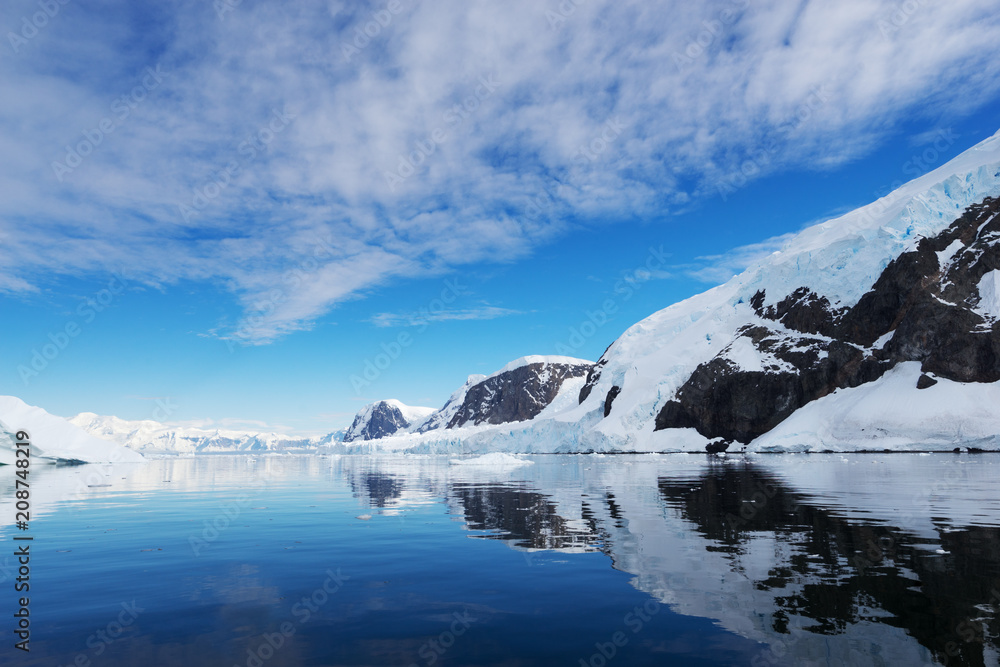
(385, 418)
(442, 417)
(518, 392)
(935, 304)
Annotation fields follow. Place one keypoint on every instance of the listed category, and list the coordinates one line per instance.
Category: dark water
(574, 560)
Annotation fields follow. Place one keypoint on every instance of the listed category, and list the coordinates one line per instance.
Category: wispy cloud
(481, 163)
(717, 269)
(422, 318)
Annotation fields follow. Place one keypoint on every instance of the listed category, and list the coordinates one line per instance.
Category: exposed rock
(376, 421)
(515, 395)
(442, 417)
(926, 381)
(927, 299)
(612, 395)
(593, 375)
(718, 446)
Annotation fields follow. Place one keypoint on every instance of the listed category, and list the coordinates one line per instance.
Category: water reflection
(831, 576)
(823, 560)
(525, 518)
(819, 582)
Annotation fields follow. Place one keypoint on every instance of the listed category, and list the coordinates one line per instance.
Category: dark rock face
(926, 299)
(718, 446)
(515, 395)
(926, 382)
(593, 375)
(384, 420)
(612, 395)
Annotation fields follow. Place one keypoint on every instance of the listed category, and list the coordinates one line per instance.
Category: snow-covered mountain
(518, 392)
(151, 436)
(384, 418)
(53, 438)
(904, 289)
(441, 418)
(839, 306)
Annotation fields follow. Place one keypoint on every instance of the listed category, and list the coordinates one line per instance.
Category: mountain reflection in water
(738, 543)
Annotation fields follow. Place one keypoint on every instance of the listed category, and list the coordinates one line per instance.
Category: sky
(264, 215)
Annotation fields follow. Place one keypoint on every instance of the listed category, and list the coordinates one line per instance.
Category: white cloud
(423, 317)
(783, 85)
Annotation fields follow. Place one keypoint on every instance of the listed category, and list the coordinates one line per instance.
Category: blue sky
(236, 206)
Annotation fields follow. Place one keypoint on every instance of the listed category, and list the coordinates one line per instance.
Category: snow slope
(891, 413)
(54, 438)
(440, 418)
(413, 414)
(539, 359)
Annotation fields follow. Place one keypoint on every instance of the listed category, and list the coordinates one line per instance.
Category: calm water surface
(574, 560)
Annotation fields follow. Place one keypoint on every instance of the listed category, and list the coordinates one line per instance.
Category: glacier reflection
(811, 567)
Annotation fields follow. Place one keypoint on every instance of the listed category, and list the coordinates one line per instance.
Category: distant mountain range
(152, 437)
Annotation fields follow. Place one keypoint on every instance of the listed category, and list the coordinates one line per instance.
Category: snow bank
(55, 438)
(892, 413)
(411, 413)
